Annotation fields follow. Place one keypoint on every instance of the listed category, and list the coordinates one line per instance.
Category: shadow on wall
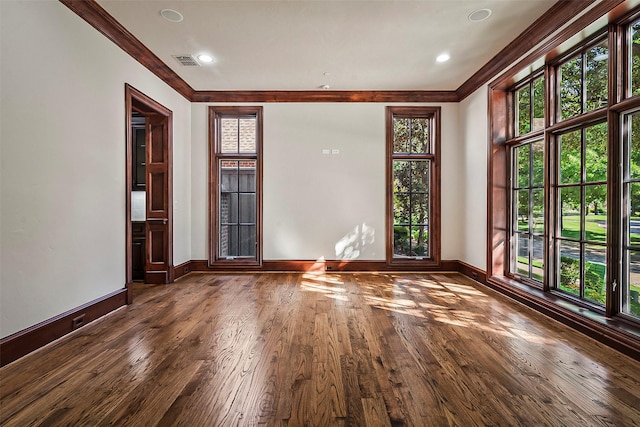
(354, 243)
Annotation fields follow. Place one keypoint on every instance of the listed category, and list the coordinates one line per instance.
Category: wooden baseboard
(472, 272)
(317, 265)
(21, 343)
(181, 269)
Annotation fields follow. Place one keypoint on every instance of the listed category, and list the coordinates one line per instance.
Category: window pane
(419, 209)
(570, 75)
(595, 197)
(537, 262)
(228, 135)
(247, 176)
(228, 240)
(597, 66)
(634, 54)
(522, 160)
(247, 136)
(247, 208)
(537, 150)
(631, 292)
(595, 262)
(570, 157)
(634, 142)
(401, 209)
(538, 104)
(634, 213)
(247, 241)
(419, 135)
(522, 254)
(569, 256)
(401, 176)
(401, 129)
(523, 210)
(401, 243)
(420, 176)
(228, 175)
(570, 212)
(596, 153)
(523, 112)
(419, 241)
(537, 215)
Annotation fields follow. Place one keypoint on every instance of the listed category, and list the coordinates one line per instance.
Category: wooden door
(158, 260)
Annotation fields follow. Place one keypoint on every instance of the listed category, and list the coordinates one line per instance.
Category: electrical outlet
(76, 322)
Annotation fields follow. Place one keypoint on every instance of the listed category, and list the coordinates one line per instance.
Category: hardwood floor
(322, 350)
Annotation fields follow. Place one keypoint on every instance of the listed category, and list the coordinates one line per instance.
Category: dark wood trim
(545, 46)
(472, 272)
(321, 265)
(326, 96)
(98, 18)
(180, 270)
(538, 32)
(23, 342)
(138, 101)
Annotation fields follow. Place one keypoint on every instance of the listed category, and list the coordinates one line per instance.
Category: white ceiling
(346, 44)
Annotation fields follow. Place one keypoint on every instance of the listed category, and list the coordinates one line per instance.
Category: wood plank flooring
(322, 350)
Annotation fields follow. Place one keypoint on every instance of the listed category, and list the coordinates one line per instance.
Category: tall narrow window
(526, 150)
(413, 189)
(235, 191)
(631, 224)
(527, 237)
(581, 220)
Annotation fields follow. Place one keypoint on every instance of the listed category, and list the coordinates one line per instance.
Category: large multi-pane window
(413, 188)
(235, 184)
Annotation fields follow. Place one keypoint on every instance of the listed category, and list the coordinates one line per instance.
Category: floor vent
(186, 60)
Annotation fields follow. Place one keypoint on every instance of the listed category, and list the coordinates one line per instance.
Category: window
(582, 81)
(580, 237)
(236, 185)
(413, 189)
(527, 201)
(630, 299)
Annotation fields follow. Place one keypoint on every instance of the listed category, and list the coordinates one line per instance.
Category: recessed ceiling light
(325, 87)
(479, 15)
(204, 58)
(443, 57)
(171, 15)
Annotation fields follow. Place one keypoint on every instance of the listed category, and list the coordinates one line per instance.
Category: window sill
(618, 333)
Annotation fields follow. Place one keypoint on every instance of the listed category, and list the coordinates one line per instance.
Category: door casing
(159, 189)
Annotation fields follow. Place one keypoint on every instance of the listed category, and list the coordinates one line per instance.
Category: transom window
(235, 146)
(413, 173)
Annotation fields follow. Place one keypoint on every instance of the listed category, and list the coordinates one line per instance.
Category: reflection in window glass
(570, 77)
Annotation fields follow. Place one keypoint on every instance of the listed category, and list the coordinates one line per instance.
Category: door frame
(138, 101)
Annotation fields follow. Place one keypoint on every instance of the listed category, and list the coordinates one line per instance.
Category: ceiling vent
(186, 60)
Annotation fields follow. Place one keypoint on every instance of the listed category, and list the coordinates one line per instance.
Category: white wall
(326, 206)
(474, 134)
(62, 212)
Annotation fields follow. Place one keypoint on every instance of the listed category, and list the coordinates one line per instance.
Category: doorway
(149, 198)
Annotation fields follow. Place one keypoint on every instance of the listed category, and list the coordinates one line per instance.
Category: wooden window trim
(432, 113)
(215, 112)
